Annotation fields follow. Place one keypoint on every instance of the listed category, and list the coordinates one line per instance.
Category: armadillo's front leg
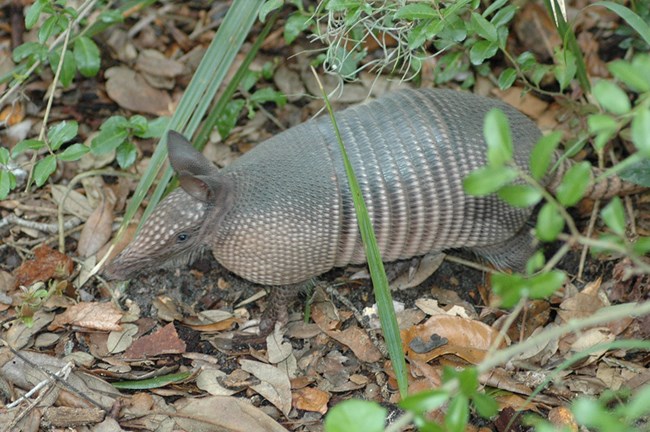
(277, 310)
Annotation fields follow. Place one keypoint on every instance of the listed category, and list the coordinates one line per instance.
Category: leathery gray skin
(283, 213)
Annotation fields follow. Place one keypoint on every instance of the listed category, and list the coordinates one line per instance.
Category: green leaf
(526, 61)
(29, 144)
(488, 180)
(507, 78)
(415, 11)
(599, 123)
(519, 195)
(535, 262)
(483, 27)
(29, 49)
(87, 56)
(111, 17)
(33, 13)
(481, 51)
(269, 95)
(73, 152)
(108, 140)
(485, 405)
(614, 216)
(641, 131)
(68, 69)
(355, 415)
(228, 118)
(457, 414)
(545, 284)
(503, 16)
(43, 169)
(549, 223)
(539, 72)
(342, 5)
(566, 67)
(641, 245)
(634, 78)
(155, 128)
(138, 124)
(611, 97)
(51, 26)
(296, 24)
(542, 153)
(7, 182)
(497, 137)
(114, 123)
(126, 154)
(4, 156)
(637, 173)
(574, 184)
(425, 401)
(151, 383)
(62, 132)
(269, 7)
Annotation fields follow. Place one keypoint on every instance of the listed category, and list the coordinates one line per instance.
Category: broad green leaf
(509, 287)
(355, 415)
(267, 94)
(638, 173)
(535, 262)
(7, 183)
(614, 216)
(415, 11)
(43, 169)
(108, 140)
(457, 414)
(545, 284)
(549, 223)
(73, 152)
(635, 79)
(4, 156)
(50, 27)
(29, 49)
(61, 132)
(269, 7)
(542, 153)
(483, 27)
(611, 97)
(342, 5)
(497, 137)
(296, 24)
(111, 17)
(602, 123)
(642, 245)
(641, 131)
(86, 54)
(507, 78)
(425, 401)
(519, 195)
(488, 180)
(486, 405)
(229, 117)
(574, 184)
(526, 61)
(155, 128)
(68, 69)
(33, 13)
(138, 124)
(482, 50)
(114, 123)
(29, 144)
(566, 67)
(126, 154)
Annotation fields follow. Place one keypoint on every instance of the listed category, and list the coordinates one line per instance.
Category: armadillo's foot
(277, 309)
(512, 253)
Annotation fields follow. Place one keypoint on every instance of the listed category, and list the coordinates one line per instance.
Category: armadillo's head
(179, 228)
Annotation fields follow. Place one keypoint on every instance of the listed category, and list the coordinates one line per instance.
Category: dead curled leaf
(311, 399)
(98, 228)
(466, 338)
(274, 383)
(91, 316)
(47, 264)
(129, 89)
(163, 341)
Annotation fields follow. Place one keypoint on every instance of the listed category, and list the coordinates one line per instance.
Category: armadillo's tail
(604, 188)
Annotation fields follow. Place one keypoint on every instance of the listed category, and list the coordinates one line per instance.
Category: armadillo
(283, 213)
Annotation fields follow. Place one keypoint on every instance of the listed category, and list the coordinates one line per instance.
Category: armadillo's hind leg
(512, 253)
(277, 310)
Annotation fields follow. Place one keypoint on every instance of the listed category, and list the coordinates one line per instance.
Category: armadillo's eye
(182, 237)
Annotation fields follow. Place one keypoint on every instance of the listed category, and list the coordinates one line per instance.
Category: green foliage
(117, 132)
(356, 416)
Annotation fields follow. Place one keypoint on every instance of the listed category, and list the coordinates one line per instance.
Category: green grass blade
(383, 297)
(632, 19)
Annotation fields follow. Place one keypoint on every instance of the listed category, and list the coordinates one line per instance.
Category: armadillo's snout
(118, 268)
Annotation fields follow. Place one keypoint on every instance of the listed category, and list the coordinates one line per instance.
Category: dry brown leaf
(223, 413)
(359, 342)
(98, 228)
(311, 399)
(274, 384)
(91, 316)
(131, 91)
(163, 341)
(75, 203)
(20, 334)
(47, 264)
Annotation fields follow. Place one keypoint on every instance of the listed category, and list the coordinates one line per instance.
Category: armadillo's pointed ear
(210, 189)
(184, 158)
